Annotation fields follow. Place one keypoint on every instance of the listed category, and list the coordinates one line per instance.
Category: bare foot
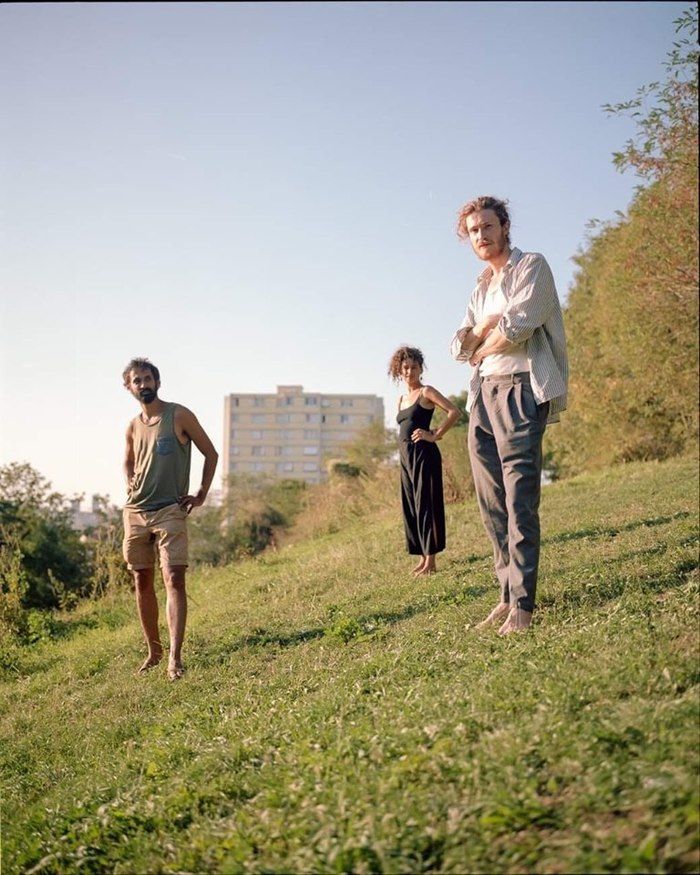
(151, 661)
(501, 610)
(428, 566)
(419, 567)
(175, 671)
(518, 621)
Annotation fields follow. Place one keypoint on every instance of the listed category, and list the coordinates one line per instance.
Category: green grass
(338, 715)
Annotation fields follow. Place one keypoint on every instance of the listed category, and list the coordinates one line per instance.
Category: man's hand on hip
(187, 502)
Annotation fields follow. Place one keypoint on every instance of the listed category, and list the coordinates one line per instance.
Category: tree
(55, 563)
(666, 113)
(372, 447)
(632, 314)
(255, 509)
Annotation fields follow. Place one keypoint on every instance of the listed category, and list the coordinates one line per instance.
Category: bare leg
(428, 565)
(501, 610)
(148, 614)
(518, 621)
(174, 578)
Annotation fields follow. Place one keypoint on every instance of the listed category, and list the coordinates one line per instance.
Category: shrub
(632, 314)
(13, 586)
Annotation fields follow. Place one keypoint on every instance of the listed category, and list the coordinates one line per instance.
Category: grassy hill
(339, 715)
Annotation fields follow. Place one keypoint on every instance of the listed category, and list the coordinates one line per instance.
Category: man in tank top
(157, 469)
(513, 337)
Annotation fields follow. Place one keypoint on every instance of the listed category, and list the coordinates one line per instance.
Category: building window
(258, 466)
(344, 418)
(258, 402)
(285, 466)
(235, 417)
(310, 466)
(310, 433)
(311, 417)
(283, 417)
(234, 402)
(257, 451)
(233, 466)
(278, 451)
(258, 417)
(235, 451)
(288, 451)
(346, 402)
(325, 402)
(310, 451)
(311, 401)
(323, 417)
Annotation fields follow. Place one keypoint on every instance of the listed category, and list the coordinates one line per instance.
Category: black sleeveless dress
(421, 484)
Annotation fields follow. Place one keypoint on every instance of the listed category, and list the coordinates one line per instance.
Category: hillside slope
(339, 715)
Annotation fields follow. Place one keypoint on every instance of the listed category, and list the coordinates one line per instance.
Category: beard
(500, 246)
(147, 395)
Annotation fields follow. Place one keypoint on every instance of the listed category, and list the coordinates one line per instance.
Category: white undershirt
(501, 363)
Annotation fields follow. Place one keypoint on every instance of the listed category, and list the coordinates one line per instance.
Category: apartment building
(292, 433)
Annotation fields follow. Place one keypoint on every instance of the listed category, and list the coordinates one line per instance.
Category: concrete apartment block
(292, 433)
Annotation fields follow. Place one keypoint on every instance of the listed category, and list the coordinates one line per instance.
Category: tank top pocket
(165, 445)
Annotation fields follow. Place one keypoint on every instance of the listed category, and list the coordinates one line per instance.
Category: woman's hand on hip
(420, 434)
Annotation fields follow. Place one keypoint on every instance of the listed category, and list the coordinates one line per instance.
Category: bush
(109, 572)
(55, 562)
(255, 511)
(13, 586)
(632, 314)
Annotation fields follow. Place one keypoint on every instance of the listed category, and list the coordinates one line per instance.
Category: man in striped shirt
(513, 337)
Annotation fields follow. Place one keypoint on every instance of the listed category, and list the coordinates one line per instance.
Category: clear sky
(256, 194)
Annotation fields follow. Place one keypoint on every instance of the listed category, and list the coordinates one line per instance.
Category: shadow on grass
(595, 532)
(590, 533)
(602, 591)
(341, 626)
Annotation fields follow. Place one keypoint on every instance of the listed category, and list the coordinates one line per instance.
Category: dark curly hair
(485, 202)
(140, 364)
(402, 354)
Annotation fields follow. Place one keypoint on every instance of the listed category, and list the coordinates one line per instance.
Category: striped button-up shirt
(532, 316)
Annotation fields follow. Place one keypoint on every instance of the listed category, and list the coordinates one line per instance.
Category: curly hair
(402, 354)
(485, 202)
(140, 364)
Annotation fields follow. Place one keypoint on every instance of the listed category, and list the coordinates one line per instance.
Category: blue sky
(262, 194)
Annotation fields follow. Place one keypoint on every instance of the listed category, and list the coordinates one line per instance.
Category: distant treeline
(632, 313)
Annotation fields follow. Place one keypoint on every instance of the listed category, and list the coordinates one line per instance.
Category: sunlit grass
(339, 715)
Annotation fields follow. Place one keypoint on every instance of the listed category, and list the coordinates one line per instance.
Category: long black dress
(421, 484)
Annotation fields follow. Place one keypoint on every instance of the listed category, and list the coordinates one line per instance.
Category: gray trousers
(506, 426)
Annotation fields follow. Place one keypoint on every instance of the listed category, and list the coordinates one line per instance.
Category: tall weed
(13, 586)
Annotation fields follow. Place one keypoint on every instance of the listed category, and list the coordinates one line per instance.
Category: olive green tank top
(161, 463)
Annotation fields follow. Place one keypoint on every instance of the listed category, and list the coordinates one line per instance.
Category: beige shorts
(146, 531)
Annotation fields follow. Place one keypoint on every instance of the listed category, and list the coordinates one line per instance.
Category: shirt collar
(513, 259)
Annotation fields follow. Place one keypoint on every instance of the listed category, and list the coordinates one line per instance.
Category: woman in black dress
(421, 464)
